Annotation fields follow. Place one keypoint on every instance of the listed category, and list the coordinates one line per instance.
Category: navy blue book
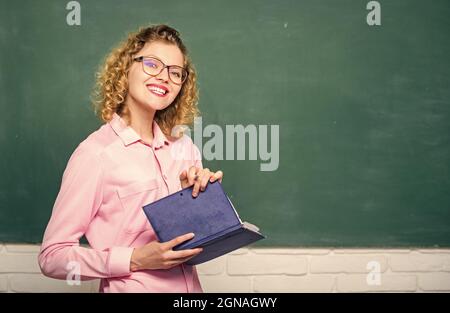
(210, 216)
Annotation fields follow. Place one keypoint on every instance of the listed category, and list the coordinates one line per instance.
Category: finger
(217, 176)
(175, 262)
(182, 254)
(171, 264)
(198, 182)
(177, 240)
(196, 188)
(201, 181)
(204, 180)
(192, 175)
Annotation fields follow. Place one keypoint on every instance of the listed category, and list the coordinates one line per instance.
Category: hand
(199, 177)
(156, 255)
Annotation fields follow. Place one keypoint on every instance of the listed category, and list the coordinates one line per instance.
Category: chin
(157, 107)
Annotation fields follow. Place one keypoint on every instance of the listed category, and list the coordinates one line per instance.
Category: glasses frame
(141, 59)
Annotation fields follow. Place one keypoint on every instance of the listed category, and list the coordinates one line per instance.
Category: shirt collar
(128, 135)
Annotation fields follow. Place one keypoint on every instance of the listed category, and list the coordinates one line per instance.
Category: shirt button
(165, 177)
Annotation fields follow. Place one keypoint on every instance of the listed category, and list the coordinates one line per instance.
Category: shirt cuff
(119, 261)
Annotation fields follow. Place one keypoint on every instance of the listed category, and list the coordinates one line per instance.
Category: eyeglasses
(153, 67)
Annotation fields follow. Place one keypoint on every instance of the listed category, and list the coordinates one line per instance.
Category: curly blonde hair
(112, 81)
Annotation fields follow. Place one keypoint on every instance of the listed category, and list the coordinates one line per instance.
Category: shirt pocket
(133, 197)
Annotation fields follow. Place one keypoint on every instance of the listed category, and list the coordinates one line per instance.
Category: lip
(159, 86)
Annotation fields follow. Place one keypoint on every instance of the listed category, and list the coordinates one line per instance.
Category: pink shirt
(108, 179)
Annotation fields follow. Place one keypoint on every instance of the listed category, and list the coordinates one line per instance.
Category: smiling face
(144, 91)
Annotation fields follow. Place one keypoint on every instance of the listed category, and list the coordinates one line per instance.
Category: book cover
(210, 216)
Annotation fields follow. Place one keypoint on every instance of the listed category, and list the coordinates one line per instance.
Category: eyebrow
(156, 57)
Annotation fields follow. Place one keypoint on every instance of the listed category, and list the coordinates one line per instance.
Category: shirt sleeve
(78, 200)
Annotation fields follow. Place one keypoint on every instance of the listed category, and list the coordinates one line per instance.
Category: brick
(23, 248)
(308, 283)
(213, 267)
(420, 262)
(291, 251)
(434, 251)
(263, 264)
(19, 263)
(388, 282)
(434, 281)
(371, 251)
(354, 263)
(224, 283)
(3, 283)
(40, 283)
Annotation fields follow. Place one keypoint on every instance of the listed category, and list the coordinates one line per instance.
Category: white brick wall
(271, 270)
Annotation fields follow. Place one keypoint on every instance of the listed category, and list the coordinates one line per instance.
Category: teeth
(157, 90)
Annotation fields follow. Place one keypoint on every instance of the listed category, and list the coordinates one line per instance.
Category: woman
(146, 88)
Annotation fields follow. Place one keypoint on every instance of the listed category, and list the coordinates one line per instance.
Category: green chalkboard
(363, 111)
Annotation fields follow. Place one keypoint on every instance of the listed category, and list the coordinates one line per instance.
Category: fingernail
(194, 194)
(191, 234)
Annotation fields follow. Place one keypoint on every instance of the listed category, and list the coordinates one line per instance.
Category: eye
(176, 74)
(150, 63)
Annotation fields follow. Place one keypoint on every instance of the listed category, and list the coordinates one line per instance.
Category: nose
(164, 75)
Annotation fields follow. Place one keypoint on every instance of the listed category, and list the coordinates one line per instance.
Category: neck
(141, 120)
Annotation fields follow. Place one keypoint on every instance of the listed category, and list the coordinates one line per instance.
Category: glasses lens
(152, 66)
(177, 74)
